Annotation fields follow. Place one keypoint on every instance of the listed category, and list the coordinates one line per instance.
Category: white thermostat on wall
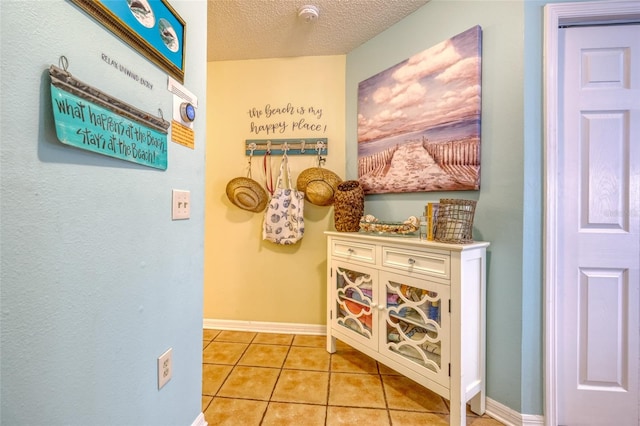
(185, 103)
(187, 112)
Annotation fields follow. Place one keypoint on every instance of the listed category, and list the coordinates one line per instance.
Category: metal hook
(252, 147)
(302, 144)
(285, 147)
(64, 63)
(319, 147)
(268, 147)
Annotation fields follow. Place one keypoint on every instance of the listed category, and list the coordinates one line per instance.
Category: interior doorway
(592, 220)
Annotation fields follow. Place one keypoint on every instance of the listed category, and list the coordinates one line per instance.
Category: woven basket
(455, 221)
(348, 206)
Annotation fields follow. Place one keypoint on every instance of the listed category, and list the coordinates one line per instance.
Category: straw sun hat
(319, 185)
(247, 194)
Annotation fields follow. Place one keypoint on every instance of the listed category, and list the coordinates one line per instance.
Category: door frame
(555, 15)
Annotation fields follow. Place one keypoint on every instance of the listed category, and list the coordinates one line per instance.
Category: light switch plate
(181, 204)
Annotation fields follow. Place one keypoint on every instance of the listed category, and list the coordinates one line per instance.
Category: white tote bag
(283, 220)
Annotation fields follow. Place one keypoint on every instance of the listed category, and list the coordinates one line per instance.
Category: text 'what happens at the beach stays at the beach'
(91, 127)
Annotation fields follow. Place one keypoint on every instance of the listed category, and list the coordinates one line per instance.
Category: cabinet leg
(478, 403)
(331, 344)
(457, 413)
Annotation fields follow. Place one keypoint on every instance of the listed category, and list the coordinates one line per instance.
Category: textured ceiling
(257, 29)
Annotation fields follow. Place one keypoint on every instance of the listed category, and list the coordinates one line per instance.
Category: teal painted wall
(96, 280)
(509, 213)
(532, 381)
(500, 213)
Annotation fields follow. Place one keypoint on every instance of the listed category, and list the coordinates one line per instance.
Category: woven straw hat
(247, 194)
(319, 185)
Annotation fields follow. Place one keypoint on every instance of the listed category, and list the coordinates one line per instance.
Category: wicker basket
(348, 206)
(455, 221)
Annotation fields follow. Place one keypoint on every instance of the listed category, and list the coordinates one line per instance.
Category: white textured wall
(96, 280)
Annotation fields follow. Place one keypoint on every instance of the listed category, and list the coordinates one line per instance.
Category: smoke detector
(308, 13)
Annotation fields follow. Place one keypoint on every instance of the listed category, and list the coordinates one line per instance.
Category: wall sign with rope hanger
(90, 119)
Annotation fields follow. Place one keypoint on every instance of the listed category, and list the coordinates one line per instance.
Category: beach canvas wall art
(419, 121)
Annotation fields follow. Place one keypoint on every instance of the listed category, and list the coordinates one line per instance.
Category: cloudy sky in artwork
(435, 87)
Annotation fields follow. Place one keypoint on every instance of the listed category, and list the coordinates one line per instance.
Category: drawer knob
(351, 251)
(411, 261)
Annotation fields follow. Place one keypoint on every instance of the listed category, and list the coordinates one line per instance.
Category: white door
(598, 202)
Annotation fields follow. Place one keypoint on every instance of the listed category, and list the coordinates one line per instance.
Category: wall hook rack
(306, 146)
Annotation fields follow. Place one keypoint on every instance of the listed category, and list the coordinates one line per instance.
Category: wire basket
(455, 221)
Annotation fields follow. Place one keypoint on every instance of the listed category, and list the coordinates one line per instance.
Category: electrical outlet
(165, 368)
(181, 204)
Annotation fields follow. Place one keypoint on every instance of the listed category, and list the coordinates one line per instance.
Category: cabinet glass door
(354, 292)
(417, 322)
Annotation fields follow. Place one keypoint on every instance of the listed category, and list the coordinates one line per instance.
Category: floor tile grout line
(384, 393)
(328, 394)
(278, 378)
(403, 410)
(330, 372)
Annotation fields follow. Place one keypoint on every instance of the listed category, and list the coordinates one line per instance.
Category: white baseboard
(265, 327)
(511, 417)
(494, 409)
(200, 421)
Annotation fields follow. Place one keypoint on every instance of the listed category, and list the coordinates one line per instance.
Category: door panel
(603, 329)
(415, 326)
(599, 235)
(353, 304)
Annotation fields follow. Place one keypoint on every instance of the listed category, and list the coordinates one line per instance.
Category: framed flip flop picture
(152, 27)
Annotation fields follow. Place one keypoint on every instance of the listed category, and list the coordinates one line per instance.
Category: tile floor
(286, 379)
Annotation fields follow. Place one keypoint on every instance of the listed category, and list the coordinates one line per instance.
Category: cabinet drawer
(428, 263)
(354, 251)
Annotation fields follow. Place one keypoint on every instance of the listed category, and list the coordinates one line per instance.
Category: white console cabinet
(416, 306)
